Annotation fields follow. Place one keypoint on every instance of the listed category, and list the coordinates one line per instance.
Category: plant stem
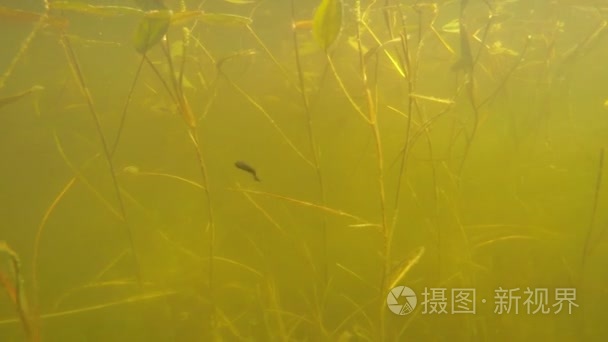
(73, 62)
(312, 142)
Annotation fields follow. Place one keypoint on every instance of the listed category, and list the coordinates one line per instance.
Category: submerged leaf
(223, 19)
(182, 17)
(20, 16)
(406, 265)
(151, 29)
(13, 98)
(327, 22)
(151, 5)
(241, 2)
(177, 49)
(83, 7)
(185, 82)
(452, 27)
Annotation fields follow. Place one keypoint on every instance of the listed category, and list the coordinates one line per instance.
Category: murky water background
(503, 184)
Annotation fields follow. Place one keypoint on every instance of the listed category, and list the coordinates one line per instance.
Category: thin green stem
(73, 62)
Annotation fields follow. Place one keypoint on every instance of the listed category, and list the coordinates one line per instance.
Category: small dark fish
(247, 168)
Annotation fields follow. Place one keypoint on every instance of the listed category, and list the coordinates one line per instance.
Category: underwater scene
(303, 170)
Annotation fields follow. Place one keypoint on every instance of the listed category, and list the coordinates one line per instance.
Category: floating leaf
(327, 22)
(151, 29)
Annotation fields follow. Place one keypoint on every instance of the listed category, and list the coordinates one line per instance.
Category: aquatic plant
(388, 143)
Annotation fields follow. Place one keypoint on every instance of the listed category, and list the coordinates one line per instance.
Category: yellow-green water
(502, 186)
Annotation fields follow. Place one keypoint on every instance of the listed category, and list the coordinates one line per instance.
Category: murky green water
(455, 148)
